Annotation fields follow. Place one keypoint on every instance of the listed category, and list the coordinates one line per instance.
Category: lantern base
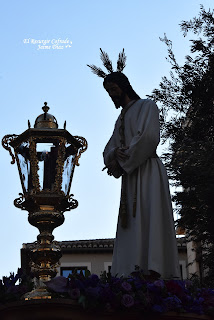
(40, 291)
(36, 294)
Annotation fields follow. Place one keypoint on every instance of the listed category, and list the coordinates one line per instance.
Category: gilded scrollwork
(43, 270)
(59, 164)
(73, 203)
(82, 149)
(39, 215)
(6, 144)
(70, 204)
(34, 164)
(45, 258)
(25, 203)
(59, 167)
(19, 202)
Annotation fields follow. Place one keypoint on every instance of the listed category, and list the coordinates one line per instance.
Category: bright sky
(29, 76)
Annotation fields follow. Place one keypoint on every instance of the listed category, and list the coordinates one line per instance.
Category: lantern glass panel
(47, 153)
(68, 167)
(24, 162)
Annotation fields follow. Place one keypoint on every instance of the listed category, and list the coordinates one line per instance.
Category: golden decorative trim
(6, 144)
(34, 164)
(59, 165)
(18, 202)
(46, 207)
(72, 203)
(82, 149)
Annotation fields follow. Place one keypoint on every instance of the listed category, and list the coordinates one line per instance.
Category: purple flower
(138, 283)
(157, 308)
(198, 301)
(58, 284)
(172, 303)
(153, 288)
(94, 278)
(74, 293)
(92, 292)
(127, 300)
(159, 283)
(92, 281)
(16, 290)
(201, 300)
(126, 286)
(106, 294)
(115, 281)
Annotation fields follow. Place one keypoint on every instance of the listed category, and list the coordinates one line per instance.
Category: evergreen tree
(186, 102)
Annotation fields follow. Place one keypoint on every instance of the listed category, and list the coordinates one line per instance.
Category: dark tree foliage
(186, 101)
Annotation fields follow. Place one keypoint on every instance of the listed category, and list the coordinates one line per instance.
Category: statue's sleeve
(109, 151)
(143, 145)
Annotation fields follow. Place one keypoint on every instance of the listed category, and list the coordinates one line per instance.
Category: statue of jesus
(145, 231)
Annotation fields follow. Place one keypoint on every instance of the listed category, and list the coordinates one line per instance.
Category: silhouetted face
(117, 95)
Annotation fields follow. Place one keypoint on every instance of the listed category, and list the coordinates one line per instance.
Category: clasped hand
(120, 153)
(113, 167)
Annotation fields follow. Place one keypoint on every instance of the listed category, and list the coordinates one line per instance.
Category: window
(107, 266)
(183, 270)
(65, 271)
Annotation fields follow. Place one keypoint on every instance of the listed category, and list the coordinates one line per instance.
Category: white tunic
(149, 239)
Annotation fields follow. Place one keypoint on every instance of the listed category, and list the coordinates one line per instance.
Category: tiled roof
(88, 245)
(94, 245)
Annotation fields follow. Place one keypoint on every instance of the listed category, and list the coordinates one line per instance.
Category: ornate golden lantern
(46, 158)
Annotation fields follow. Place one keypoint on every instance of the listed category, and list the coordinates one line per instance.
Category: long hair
(123, 82)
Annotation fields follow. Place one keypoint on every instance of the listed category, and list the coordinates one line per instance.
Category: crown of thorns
(121, 63)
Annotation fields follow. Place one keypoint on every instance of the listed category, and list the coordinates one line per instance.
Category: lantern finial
(45, 108)
(46, 120)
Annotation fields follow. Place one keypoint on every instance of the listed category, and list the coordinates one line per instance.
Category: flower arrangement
(135, 292)
(107, 293)
(10, 290)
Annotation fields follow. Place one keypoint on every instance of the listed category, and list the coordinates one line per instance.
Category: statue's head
(118, 79)
(116, 83)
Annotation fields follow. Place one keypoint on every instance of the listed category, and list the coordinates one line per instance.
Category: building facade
(94, 255)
